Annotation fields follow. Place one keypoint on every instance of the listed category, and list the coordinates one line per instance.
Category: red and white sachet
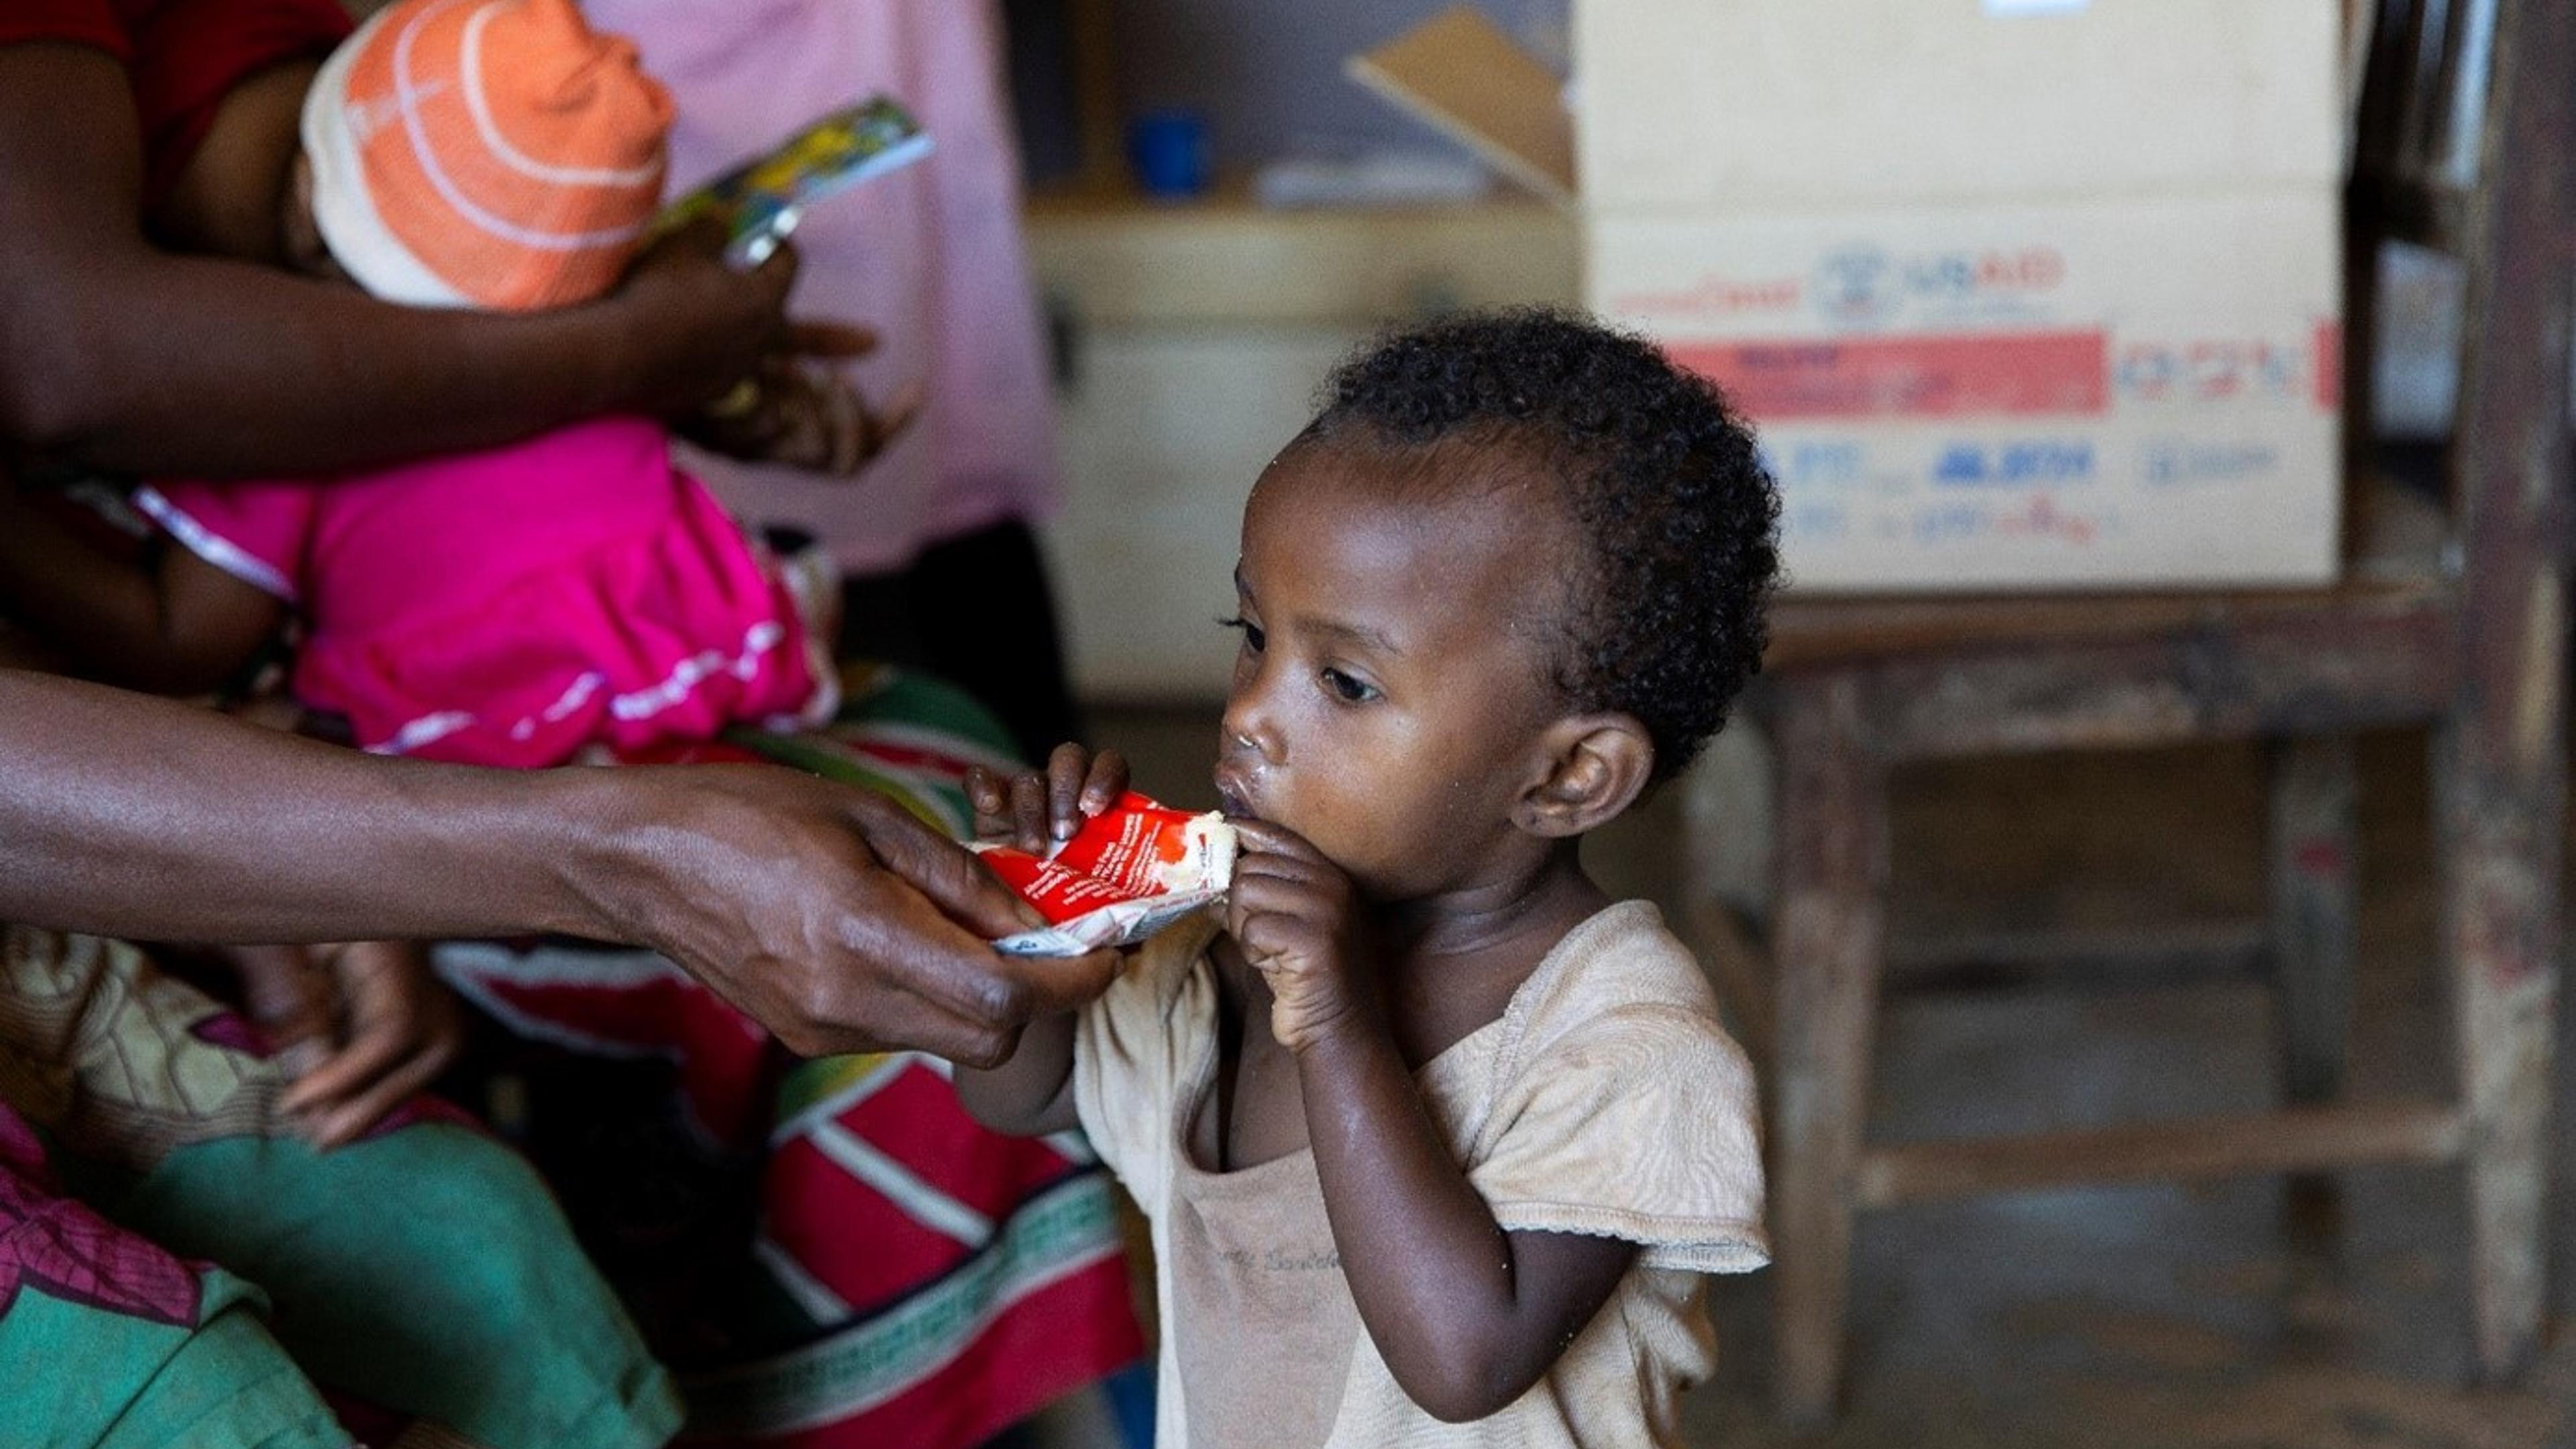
(1128, 872)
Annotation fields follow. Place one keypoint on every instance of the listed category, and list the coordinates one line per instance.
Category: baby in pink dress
(512, 606)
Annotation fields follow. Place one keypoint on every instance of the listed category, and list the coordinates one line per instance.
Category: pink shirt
(507, 607)
(930, 256)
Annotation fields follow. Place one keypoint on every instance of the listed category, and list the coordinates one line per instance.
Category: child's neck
(1449, 965)
(1450, 962)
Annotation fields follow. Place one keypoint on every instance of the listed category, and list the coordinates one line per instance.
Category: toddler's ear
(1592, 766)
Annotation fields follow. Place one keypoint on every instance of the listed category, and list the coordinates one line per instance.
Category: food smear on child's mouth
(1127, 873)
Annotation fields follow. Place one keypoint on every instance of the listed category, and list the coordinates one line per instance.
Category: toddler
(507, 607)
(1430, 1131)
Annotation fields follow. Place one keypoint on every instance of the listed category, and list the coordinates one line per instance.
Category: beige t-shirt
(1606, 1100)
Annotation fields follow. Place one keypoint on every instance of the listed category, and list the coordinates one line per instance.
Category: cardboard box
(2124, 392)
(2017, 293)
(1741, 104)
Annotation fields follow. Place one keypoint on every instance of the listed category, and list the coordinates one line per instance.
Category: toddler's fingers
(1108, 781)
(1065, 774)
(990, 796)
(1029, 812)
(1263, 838)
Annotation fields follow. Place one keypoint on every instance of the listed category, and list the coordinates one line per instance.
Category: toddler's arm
(1466, 1315)
(1032, 1093)
(177, 625)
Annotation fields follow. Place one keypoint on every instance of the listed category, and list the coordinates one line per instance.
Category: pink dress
(509, 607)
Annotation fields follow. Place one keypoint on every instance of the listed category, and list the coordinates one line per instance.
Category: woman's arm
(118, 355)
(1466, 1315)
(824, 911)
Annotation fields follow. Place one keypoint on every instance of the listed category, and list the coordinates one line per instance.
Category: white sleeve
(1641, 1125)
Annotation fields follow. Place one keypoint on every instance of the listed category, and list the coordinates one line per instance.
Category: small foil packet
(761, 200)
(1126, 874)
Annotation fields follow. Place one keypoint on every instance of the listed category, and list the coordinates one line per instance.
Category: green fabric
(84, 1378)
(427, 1271)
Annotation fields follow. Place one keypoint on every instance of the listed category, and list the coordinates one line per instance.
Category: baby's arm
(178, 625)
(1032, 1093)
(1466, 1315)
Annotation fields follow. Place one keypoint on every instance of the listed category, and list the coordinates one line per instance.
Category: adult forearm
(117, 354)
(215, 368)
(135, 816)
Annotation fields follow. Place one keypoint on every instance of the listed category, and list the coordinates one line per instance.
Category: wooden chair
(2471, 643)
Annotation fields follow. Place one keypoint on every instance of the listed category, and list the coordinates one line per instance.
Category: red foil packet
(1128, 872)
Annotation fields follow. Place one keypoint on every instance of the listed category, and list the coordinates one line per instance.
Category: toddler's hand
(1298, 919)
(1033, 809)
(362, 1026)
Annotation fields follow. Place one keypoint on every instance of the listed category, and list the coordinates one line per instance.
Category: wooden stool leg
(1829, 937)
(2500, 857)
(2312, 848)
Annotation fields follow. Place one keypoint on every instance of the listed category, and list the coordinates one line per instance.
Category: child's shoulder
(1622, 964)
(1616, 1039)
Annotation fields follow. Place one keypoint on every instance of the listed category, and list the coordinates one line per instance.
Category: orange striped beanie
(485, 153)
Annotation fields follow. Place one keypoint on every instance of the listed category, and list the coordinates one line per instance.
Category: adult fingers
(1061, 983)
(849, 433)
(827, 340)
(899, 413)
(945, 873)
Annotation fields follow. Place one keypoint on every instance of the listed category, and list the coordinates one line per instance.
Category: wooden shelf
(1122, 260)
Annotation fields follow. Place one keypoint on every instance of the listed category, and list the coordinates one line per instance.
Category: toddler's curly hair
(1660, 476)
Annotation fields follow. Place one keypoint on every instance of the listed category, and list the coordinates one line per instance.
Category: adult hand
(828, 913)
(362, 1025)
(694, 326)
(797, 408)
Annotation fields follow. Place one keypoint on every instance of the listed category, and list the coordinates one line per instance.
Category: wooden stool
(2471, 641)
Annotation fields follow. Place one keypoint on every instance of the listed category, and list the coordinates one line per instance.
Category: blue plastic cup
(1169, 150)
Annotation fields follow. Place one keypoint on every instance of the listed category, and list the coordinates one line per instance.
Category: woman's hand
(1034, 810)
(362, 1025)
(798, 409)
(1299, 921)
(828, 913)
(692, 325)
(719, 351)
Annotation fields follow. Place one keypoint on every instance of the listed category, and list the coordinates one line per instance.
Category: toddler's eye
(1348, 689)
(1252, 636)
